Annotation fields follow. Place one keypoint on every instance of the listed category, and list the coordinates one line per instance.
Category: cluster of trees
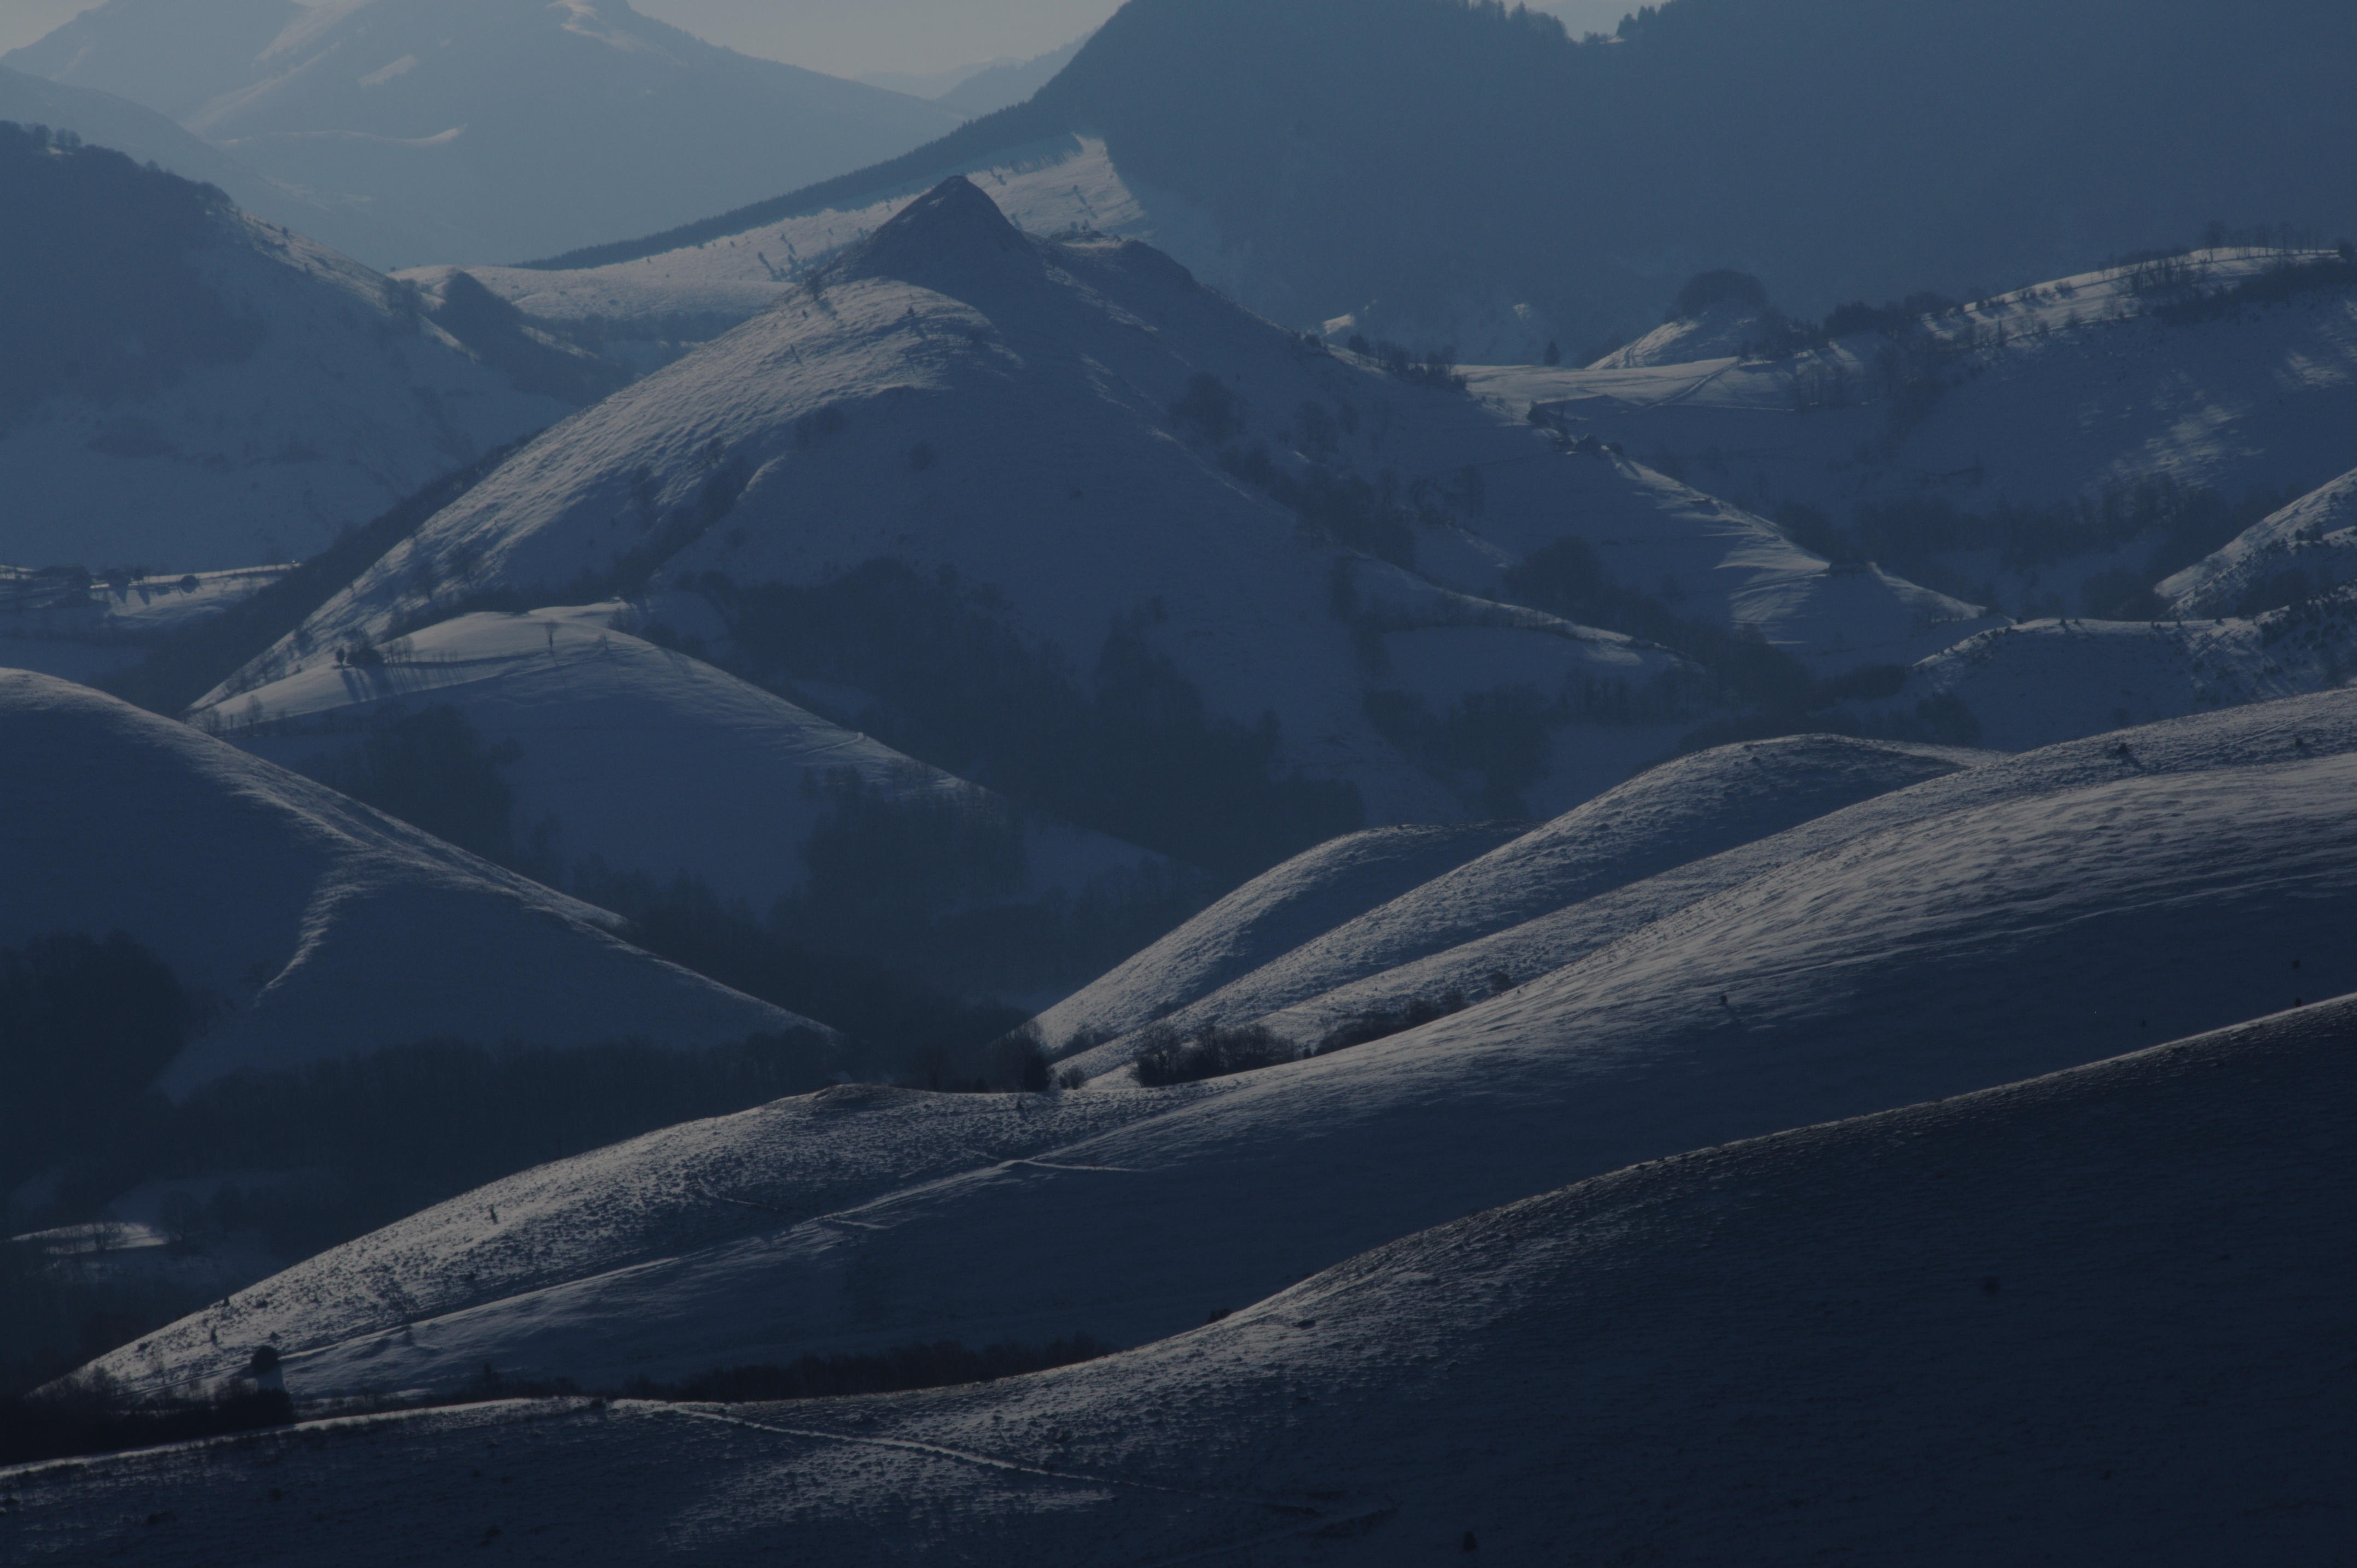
(431, 769)
(2276, 286)
(1381, 1023)
(942, 1364)
(1128, 748)
(1570, 579)
(1214, 1052)
(94, 258)
(1500, 737)
(85, 1022)
(93, 1416)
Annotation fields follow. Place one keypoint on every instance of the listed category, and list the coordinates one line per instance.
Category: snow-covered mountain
(484, 130)
(655, 763)
(227, 392)
(2053, 389)
(1999, 921)
(1080, 431)
(2094, 1315)
(1372, 186)
(319, 928)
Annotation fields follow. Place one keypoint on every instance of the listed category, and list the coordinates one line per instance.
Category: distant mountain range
(1449, 174)
(480, 130)
(190, 388)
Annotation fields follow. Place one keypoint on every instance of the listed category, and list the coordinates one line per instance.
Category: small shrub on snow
(1212, 1053)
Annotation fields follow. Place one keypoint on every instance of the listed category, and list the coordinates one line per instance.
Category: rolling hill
(647, 763)
(2089, 1316)
(284, 902)
(2004, 920)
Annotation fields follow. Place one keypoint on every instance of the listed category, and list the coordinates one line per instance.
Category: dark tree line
(1128, 748)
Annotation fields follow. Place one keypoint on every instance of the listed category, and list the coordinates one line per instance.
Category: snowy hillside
(2002, 921)
(2031, 398)
(656, 763)
(2094, 1316)
(486, 130)
(2052, 680)
(661, 303)
(1272, 914)
(2308, 547)
(326, 392)
(317, 927)
(1686, 809)
(1079, 430)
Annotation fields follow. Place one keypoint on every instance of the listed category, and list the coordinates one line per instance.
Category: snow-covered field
(350, 403)
(2001, 921)
(2095, 1316)
(319, 926)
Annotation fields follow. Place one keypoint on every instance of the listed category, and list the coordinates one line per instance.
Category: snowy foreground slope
(1082, 430)
(1686, 809)
(2093, 1317)
(350, 401)
(2030, 915)
(319, 926)
(652, 761)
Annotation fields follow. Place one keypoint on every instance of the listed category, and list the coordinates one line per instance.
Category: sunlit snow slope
(2093, 1317)
(1685, 811)
(2001, 921)
(320, 926)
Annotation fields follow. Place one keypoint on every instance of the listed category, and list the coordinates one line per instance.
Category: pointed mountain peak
(951, 226)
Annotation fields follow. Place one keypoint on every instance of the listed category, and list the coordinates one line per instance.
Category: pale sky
(848, 37)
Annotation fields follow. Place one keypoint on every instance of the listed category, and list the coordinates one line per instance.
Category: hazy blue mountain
(482, 130)
(108, 120)
(1430, 165)
(186, 387)
(1000, 85)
